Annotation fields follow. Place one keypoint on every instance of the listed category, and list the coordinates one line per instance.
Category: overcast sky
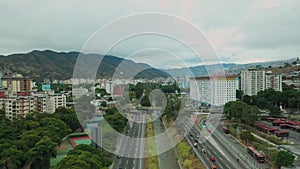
(241, 31)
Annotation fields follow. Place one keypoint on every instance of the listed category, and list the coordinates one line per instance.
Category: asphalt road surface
(224, 159)
(132, 147)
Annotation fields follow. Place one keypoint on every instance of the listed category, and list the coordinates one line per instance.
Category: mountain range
(48, 64)
(228, 68)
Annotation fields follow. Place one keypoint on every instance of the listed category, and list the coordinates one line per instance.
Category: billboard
(46, 87)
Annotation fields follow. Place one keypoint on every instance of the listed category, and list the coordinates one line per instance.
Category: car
(213, 159)
(191, 135)
(203, 151)
(196, 140)
(195, 145)
(213, 167)
(197, 136)
(118, 156)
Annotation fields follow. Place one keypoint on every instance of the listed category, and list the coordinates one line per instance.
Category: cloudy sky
(241, 31)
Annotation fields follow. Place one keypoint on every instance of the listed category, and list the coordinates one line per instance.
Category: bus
(255, 154)
(225, 129)
(281, 133)
(285, 126)
(295, 128)
(278, 122)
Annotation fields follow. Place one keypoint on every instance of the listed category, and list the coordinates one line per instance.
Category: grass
(150, 147)
(187, 158)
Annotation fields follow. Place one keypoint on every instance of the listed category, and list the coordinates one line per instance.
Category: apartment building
(22, 105)
(55, 101)
(17, 83)
(255, 80)
(214, 90)
(17, 106)
(273, 81)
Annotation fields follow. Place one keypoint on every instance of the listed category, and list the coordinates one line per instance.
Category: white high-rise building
(109, 87)
(255, 80)
(214, 90)
(55, 101)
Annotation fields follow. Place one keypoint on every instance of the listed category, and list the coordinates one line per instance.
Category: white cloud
(241, 31)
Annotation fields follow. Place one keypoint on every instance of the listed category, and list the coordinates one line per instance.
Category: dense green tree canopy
(284, 159)
(240, 111)
(84, 156)
(32, 139)
(42, 152)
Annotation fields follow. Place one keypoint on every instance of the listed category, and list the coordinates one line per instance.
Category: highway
(131, 147)
(224, 159)
(236, 148)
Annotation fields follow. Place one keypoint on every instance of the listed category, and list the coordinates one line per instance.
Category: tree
(42, 152)
(2, 113)
(11, 158)
(240, 111)
(247, 136)
(30, 138)
(72, 162)
(239, 94)
(83, 156)
(262, 102)
(249, 114)
(54, 128)
(68, 116)
(116, 121)
(274, 110)
(102, 92)
(145, 101)
(284, 159)
(247, 99)
(30, 124)
(187, 163)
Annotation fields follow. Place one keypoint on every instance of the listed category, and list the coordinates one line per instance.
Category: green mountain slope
(59, 65)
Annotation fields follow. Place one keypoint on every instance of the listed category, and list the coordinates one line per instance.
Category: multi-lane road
(131, 149)
(224, 159)
(234, 148)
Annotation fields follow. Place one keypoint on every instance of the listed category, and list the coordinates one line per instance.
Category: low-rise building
(22, 105)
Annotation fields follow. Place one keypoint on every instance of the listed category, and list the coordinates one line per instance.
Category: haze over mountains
(59, 65)
(228, 68)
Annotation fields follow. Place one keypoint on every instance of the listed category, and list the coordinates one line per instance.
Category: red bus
(264, 128)
(281, 133)
(278, 122)
(285, 126)
(225, 129)
(257, 155)
(295, 128)
(271, 119)
(293, 123)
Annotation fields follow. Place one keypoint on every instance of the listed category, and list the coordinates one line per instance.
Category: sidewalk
(257, 136)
